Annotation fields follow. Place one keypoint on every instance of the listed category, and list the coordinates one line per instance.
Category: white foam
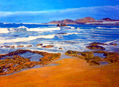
(26, 39)
(106, 28)
(114, 41)
(4, 30)
(43, 29)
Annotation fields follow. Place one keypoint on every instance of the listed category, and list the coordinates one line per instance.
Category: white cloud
(37, 16)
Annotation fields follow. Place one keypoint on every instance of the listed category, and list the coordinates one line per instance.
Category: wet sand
(69, 72)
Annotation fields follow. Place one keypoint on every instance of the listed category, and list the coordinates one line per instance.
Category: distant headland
(86, 20)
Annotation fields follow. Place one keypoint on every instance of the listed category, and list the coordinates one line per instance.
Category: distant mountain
(69, 21)
(85, 20)
(107, 19)
(66, 21)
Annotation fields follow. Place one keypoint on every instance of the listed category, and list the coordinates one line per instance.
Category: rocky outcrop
(69, 21)
(96, 46)
(12, 62)
(92, 59)
(66, 21)
(107, 19)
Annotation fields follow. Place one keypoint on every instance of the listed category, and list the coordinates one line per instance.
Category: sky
(43, 11)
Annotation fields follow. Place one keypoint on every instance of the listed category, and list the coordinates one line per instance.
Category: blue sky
(41, 11)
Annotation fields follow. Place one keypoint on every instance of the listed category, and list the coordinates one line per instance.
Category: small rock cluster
(110, 57)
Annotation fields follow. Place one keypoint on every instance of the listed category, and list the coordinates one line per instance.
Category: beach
(70, 72)
(51, 56)
(59, 43)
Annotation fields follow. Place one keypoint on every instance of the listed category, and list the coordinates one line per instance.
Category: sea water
(62, 38)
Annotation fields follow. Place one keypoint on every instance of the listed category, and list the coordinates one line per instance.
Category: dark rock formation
(114, 44)
(110, 57)
(107, 19)
(39, 44)
(12, 62)
(48, 46)
(96, 46)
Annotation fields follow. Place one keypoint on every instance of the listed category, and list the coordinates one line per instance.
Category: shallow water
(101, 55)
(104, 63)
(31, 56)
(63, 39)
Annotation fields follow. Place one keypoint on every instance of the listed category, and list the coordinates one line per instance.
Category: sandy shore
(70, 72)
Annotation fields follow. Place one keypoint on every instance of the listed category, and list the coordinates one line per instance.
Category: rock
(112, 57)
(96, 43)
(12, 47)
(88, 56)
(107, 19)
(71, 53)
(29, 46)
(39, 44)
(96, 47)
(7, 46)
(13, 62)
(114, 44)
(20, 46)
(48, 46)
(60, 48)
(1, 46)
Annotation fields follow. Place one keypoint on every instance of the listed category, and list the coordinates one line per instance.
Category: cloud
(97, 12)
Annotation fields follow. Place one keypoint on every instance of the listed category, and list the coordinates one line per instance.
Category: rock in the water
(48, 46)
(39, 44)
(96, 47)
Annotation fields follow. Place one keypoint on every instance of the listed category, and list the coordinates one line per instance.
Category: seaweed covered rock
(96, 46)
(49, 57)
(88, 56)
(95, 60)
(96, 43)
(71, 53)
(12, 62)
(112, 57)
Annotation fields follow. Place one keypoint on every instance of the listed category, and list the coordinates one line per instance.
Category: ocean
(74, 37)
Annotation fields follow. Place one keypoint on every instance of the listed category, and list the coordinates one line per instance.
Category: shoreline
(65, 74)
(24, 59)
(71, 69)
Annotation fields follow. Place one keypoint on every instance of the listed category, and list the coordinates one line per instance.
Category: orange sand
(72, 72)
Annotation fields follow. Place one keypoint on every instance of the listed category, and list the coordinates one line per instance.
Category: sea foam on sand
(27, 39)
(43, 29)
